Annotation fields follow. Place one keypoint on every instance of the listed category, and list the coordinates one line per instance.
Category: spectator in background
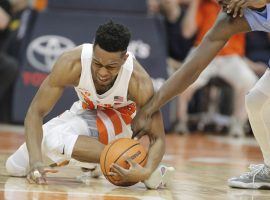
(177, 14)
(228, 65)
(8, 65)
(21, 17)
(40, 5)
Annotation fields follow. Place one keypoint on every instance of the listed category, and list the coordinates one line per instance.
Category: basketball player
(110, 84)
(256, 18)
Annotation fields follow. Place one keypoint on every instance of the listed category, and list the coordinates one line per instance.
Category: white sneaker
(160, 178)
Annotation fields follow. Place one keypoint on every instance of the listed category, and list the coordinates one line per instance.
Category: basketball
(116, 152)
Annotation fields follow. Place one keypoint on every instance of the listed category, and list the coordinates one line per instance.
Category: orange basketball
(116, 152)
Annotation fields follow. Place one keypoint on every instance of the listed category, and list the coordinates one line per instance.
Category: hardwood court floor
(203, 165)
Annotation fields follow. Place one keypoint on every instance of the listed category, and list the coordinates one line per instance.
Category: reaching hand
(236, 7)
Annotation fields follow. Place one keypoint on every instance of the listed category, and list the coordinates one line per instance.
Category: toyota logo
(43, 51)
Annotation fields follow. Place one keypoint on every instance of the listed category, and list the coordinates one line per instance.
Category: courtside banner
(55, 32)
(124, 6)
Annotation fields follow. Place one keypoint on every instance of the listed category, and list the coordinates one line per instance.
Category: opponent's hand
(135, 173)
(236, 7)
(141, 124)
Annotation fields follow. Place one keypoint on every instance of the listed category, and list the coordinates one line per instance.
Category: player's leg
(18, 163)
(76, 138)
(258, 108)
(238, 74)
(87, 149)
(59, 137)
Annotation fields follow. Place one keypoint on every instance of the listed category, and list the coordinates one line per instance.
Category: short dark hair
(112, 37)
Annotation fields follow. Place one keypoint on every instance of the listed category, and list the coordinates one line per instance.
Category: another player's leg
(18, 163)
(258, 108)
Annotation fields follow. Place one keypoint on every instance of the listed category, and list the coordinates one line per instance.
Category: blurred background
(33, 33)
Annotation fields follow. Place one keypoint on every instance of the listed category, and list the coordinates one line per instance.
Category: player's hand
(141, 124)
(236, 7)
(135, 173)
(37, 174)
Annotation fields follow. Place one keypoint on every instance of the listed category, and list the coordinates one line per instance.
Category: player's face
(106, 65)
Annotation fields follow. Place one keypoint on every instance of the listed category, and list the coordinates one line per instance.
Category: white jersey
(114, 111)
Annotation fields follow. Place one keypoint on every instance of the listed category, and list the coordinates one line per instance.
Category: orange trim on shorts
(102, 130)
(115, 120)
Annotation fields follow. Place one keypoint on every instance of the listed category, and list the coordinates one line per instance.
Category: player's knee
(13, 169)
(59, 144)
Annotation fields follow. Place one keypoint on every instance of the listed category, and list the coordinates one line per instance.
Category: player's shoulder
(139, 74)
(71, 55)
(140, 84)
(67, 68)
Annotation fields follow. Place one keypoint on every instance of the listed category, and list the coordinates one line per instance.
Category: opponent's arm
(63, 74)
(212, 43)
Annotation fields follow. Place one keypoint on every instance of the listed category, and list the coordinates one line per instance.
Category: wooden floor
(203, 165)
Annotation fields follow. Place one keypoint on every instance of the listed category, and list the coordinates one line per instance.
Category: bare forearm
(155, 154)
(212, 43)
(157, 143)
(188, 73)
(33, 137)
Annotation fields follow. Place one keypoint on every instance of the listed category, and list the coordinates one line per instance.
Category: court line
(19, 129)
(82, 193)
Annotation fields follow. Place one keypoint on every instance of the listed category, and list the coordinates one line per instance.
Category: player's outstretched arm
(63, 74)
(212, 43)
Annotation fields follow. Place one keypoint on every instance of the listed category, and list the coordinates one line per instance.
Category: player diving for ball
(111, 85)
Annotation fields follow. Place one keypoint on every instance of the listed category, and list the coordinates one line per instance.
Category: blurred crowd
(214, 102)
(11, 15)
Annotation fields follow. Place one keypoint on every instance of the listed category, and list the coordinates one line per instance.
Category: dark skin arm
(140, 91)
(213, 42)
(65, 72)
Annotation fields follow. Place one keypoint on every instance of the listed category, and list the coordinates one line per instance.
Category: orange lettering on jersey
(90, 105)
(84, 105)
(127, 112)
(115, 120)
(103, 134)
